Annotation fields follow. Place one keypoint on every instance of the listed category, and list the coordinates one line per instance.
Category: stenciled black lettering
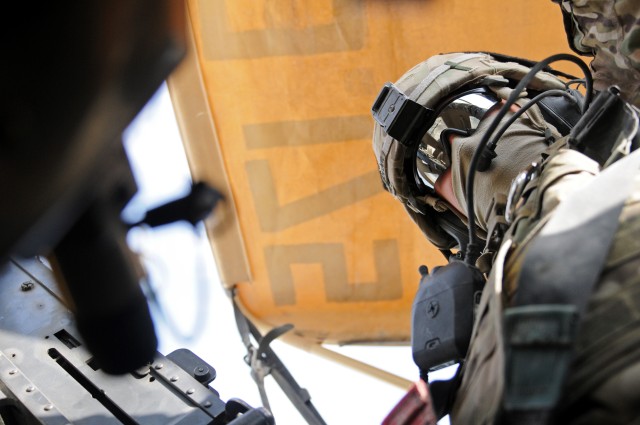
(274, 217)
(331, 257)
(307, 132)
(346, 32)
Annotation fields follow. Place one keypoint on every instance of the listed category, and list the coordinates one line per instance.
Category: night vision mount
(400, 117)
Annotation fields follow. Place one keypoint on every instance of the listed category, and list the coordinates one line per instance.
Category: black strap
(264, 362)
(443, 393)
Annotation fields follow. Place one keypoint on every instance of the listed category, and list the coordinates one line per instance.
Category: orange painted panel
(289, 85)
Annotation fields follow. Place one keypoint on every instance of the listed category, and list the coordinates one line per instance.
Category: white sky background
(185, 277)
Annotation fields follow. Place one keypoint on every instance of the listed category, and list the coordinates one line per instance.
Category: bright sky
(195, 306)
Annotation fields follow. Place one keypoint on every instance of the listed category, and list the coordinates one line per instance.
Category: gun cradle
(47, 376)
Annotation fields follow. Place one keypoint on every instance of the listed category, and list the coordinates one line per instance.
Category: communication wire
(473, 248)
(496, 138)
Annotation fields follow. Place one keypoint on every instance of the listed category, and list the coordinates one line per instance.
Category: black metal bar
(95, 392)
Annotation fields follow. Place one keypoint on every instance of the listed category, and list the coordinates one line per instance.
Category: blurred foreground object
(415, 408)
(74, 78)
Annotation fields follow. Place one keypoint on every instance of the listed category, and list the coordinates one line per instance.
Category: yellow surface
(274, 107)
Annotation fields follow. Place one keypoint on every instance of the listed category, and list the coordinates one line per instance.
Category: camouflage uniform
(604, 380)
(609, 31)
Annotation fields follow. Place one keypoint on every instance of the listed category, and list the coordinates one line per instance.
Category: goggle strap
(436, 203)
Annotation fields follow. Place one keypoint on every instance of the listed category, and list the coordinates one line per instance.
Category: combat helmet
(446, 93)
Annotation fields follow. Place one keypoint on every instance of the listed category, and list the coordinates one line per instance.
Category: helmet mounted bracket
(400, 117)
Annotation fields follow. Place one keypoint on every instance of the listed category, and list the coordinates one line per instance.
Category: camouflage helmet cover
(428, 83)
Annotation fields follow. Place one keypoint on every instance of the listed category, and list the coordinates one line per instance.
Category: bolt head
(201, 373)
(27, 286)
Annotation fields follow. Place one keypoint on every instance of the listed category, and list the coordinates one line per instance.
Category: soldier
(538, 353)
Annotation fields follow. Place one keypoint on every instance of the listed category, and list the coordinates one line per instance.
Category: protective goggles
(427, 132)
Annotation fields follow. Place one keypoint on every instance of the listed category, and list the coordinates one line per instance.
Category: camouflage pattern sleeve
(609, 30)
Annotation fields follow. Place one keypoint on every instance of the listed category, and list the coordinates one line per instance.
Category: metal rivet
(191, 391)
(48, 407)
(159, 366)
(30, 388)
(207, 404)
(174, 378)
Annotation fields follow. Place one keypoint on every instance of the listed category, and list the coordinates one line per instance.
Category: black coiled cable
(474, 247)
